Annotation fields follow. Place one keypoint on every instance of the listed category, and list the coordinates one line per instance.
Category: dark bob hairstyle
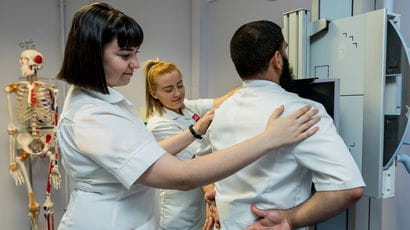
(94, 26)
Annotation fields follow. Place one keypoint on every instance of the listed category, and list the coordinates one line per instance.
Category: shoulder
(156, 122)
(295, 102)
(199, 106)
(265, 97)
(198, 102)
(81, 106)
(266, 100)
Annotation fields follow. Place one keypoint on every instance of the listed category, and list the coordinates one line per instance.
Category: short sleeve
(200, 106)
(163, 128)
(116, 142)
(327, 156)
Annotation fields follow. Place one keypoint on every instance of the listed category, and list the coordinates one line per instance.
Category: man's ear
(277, 61)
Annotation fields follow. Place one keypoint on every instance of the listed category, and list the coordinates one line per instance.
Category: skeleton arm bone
(14, 170)
(55, 173)
(54, 176)
(55, 92)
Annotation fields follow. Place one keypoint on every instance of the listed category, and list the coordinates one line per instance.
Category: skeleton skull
(30, 62)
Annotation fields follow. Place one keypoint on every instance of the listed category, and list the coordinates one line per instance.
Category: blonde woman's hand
(293, 128)
(203, 124)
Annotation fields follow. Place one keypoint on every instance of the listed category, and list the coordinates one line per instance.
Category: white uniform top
(182, 210)
(105, 148)
(281, 179)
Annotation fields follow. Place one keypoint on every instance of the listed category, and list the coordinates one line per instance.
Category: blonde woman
(169, 113)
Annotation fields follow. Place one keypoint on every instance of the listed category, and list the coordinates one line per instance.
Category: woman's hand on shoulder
(293, 128)
(203, 124)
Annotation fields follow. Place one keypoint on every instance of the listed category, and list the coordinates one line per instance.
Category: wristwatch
(196, 135)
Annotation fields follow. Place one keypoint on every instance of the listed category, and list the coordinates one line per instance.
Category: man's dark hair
(94, 26)
(253, 45)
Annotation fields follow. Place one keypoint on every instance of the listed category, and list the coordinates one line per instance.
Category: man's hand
(272, 219)
(212, 217)
(319, 207)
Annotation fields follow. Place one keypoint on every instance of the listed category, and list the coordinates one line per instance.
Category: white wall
(225, 17)
(402, 7)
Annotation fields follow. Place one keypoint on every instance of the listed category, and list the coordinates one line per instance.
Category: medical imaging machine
(370, 59)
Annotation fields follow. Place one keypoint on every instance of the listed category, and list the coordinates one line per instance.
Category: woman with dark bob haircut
(93, 27)
(115, 162)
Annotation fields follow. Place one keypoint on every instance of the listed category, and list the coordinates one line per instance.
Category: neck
(33, 77)
(179, 111)
(267, 77)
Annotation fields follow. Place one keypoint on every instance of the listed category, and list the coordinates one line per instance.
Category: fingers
(209, 221)
(212, 218)
(277, 112)
(212, 111)
(208, 224)
(258, 212)
(305, 120)
(307, 116)
(18, 178)
(56, 178)
(216, 217)
(305, 129)
(210, 114)
(308, 124)
(56, 181)
(309, 132)
(210, 196)
(258, 226)
(300, 112)
(203, 124)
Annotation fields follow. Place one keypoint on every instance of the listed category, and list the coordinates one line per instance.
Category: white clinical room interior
(356, 49)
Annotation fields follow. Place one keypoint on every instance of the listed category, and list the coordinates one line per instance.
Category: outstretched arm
(180, 141)
(321, 206)
(169, 172)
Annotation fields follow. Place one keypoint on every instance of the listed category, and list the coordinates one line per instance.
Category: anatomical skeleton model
(34, 132)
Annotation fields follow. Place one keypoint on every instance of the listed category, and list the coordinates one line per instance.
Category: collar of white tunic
(113, 97)
(261, 83)
(169, 114)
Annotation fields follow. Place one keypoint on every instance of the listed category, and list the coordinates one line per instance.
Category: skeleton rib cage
(35, 110)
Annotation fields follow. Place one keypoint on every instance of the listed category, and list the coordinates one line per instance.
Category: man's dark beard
(302, 87)
(286, 80)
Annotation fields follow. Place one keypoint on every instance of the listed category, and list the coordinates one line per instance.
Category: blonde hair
(152, 70)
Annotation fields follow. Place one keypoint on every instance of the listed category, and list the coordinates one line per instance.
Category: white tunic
(105, 148)
(182, 210)
(281, 179)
